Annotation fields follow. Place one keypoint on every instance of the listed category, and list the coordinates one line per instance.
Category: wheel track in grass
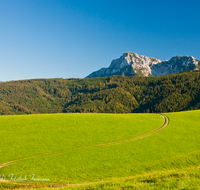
(165, 124)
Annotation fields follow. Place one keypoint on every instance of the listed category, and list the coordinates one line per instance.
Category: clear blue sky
(72, 38)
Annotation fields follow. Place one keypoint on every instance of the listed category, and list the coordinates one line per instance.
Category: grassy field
(187, 178)
(59, 141)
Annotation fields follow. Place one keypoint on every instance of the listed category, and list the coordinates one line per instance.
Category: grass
(170, 151)
(187, 178)
(30, 135)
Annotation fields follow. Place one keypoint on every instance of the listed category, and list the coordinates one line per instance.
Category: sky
(72, 38)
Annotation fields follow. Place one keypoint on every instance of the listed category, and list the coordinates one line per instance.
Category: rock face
(175, 65)
(132, 64)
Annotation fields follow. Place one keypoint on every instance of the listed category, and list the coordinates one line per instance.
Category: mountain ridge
(132, 64)
(114, 94)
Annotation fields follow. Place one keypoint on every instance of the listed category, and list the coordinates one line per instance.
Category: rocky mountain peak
(132, 64)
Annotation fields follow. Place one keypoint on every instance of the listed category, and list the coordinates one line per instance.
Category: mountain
(114, 94)
(132, 64)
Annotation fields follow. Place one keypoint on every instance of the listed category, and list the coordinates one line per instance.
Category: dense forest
(115, 94)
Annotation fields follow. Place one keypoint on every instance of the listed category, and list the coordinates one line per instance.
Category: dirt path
(165, 123)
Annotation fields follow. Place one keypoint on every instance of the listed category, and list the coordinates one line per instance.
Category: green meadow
(74, 149)
(187, 178)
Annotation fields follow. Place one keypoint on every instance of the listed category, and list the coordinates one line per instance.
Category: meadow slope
(175, 147)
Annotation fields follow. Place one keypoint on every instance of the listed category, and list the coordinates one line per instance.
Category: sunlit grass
(174, 148)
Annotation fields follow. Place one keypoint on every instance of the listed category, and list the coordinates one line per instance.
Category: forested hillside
(115, 94)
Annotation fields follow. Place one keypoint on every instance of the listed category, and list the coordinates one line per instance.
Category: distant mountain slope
(115, 94)
(132, 64)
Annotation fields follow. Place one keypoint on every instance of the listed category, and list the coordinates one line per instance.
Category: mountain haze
(132, 64)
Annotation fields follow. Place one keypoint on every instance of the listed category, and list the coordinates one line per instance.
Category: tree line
(115, 94)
